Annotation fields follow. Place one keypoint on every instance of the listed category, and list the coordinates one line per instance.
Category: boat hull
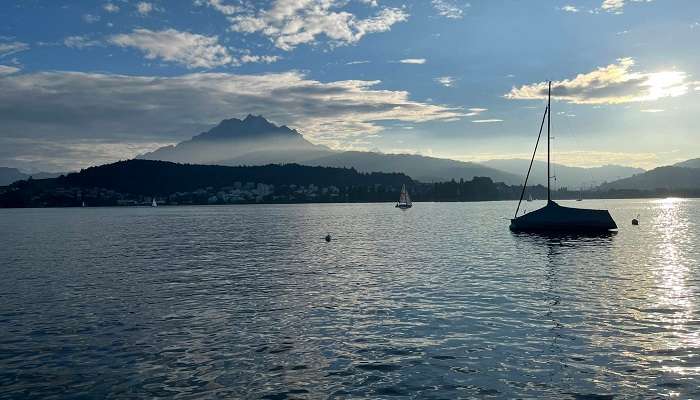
(555, 218)
(403, 206)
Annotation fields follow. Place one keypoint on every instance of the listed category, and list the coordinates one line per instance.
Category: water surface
(440, 301)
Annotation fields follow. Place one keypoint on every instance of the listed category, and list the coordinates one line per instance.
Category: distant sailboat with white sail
(154, 203)
(404, 199)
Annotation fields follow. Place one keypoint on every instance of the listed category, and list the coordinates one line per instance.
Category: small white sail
(153, 203)
(404, 198)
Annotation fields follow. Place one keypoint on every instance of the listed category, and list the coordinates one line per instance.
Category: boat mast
(549, 118)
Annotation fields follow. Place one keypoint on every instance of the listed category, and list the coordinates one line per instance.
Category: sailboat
(404, 199)
(153, 203)
(529, 198)
(553, 217)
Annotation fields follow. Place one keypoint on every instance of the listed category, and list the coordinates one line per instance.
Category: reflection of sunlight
(673, 273)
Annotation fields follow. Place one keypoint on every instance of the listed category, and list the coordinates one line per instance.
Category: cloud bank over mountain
(65, 109)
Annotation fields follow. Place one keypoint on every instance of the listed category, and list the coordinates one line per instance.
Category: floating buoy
(635, 221)
(328, 238)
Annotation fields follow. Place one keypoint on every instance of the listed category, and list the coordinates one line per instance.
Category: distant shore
(140, 182)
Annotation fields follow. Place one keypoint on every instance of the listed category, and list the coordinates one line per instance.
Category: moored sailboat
(404, 199)
(154, 203)
(553, 217)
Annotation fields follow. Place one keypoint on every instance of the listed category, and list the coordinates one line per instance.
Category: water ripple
(441, 301)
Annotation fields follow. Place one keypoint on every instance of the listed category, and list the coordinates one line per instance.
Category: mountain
(659, 179)
(256, 141)
(234, 138)
(694, 163)
(571, 177)
(10, 175)
(421, 168)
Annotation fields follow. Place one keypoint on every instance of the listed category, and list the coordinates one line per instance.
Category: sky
(89, 82)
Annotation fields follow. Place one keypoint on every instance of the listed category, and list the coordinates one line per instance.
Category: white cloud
(475, 111)
(617, 6)
(450, 8)
(247, 58)
(7, 70)
(446, 81)
(486, 121)
(569, 8)
(289, 23)
(144, 8)
(189, 49)
(357, 62)
(61, 108)
(79, 42)
(91, 18)
(111, 7)
(220, 6)
(413, 61)
(12, 47)
(613, 84)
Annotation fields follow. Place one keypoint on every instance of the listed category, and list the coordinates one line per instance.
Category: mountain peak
(252, 127)
(233, 138)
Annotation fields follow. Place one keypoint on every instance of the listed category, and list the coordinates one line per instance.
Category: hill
(694, 163)
(424, 169)
(136, 181)
(668, 178)
(256, 141)
(10, 175)
(571, 177)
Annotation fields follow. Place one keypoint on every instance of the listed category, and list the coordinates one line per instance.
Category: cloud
(80, 42)
(247, 58)
(144, 8)
(61, 109)
(9, 48)
(91, 18)
(569, 8)
(111, 7)
(289, 23)
(475, 111)
(220, 6)
(357, 62)
(613, 84)
(450, 8)
(189, 49)
(413, 61)
(446, 81)
(7, 70)
(617, 6)
(486, 121)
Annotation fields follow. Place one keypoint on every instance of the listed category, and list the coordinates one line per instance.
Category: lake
(441, 301)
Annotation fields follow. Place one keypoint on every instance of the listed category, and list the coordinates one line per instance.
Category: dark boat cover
(555, 218)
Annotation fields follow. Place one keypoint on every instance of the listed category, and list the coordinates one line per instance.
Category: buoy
(328, 238)
(635, 221)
